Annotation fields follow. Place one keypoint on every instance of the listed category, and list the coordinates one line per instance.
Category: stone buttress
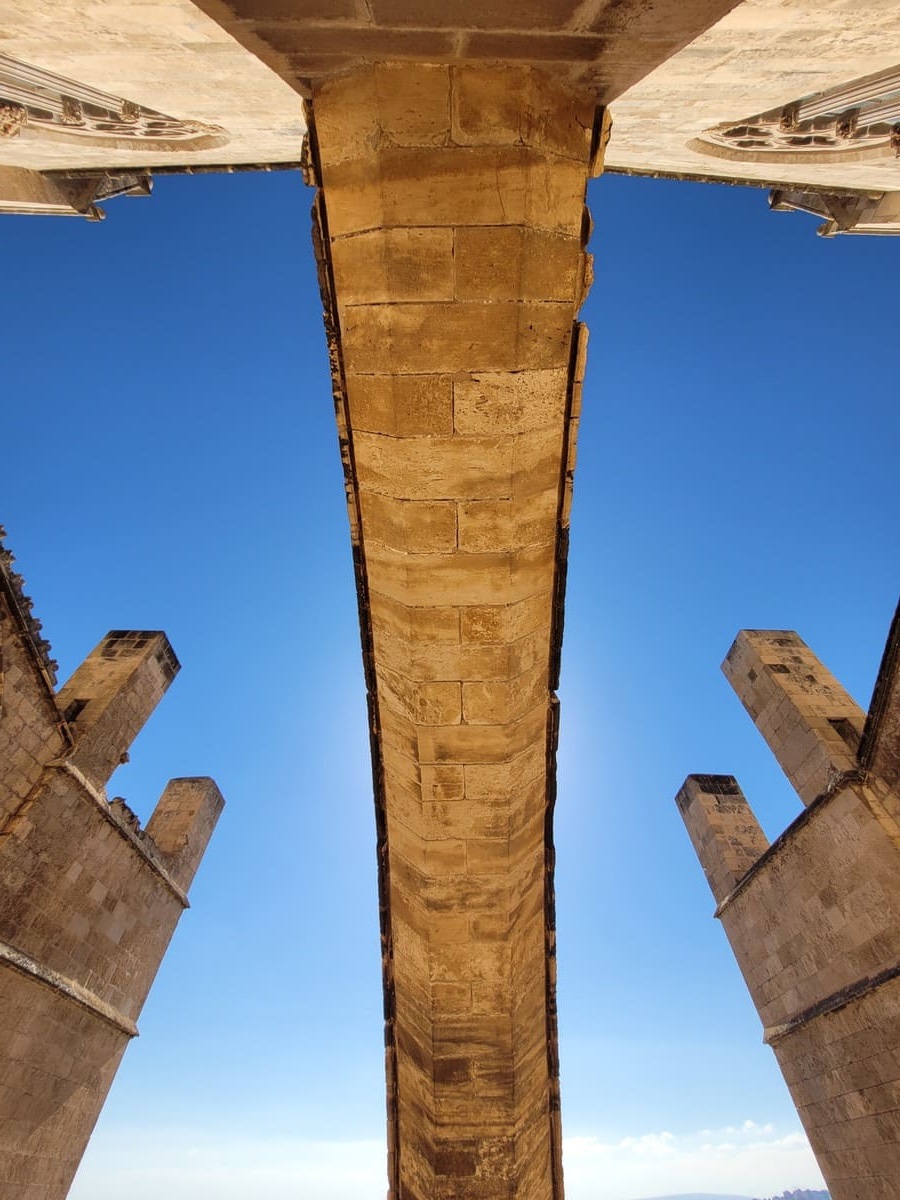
(814, 919)
(451, 230)
(88, 900)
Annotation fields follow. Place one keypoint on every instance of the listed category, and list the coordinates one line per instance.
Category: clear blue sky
(171, 462)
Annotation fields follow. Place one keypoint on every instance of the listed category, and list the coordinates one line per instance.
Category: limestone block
(488, 106)
(435, 468)
(490, 403)
(403, 806)
(487, 856)
(537, 463)
(471, 962)
(402, 771)
(413, 103)
(461, 819)
(438, 703)
(494, 264)
(527, 654)
(412, 624)
(504, 623)
(410, 949)
(444, 930)
(448, 579)
(415, 526)
(407, 845)
(401, 405)
(467, 893)
(506, 524)
(347, 119)
(442, 782)
(444, 660)
(452, 997)
(480, 743)
(520, 775)
(501, 104)
(385, 265)
(489, 702)
(434, 703)
(455, 1070)
(447, 857)
(489, 927)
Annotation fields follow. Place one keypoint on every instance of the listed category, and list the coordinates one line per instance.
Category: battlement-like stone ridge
(14, 584)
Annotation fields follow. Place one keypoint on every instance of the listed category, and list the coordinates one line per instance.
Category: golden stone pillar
(451, 230)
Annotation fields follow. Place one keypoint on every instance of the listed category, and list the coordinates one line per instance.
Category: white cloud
(164, 1164)
(745, 1158)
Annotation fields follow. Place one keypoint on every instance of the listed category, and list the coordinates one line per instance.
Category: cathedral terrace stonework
(450, 146)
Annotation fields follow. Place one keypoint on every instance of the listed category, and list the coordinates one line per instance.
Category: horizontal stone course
(456, 186)
(421, 337)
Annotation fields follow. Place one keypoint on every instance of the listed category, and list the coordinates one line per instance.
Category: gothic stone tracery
(860, 119)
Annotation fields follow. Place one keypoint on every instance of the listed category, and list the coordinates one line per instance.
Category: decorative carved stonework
(12, 118)
(21, 605)
(843, 213)
(37, 102)
(856, 121)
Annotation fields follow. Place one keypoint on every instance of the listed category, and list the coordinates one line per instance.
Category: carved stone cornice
(35, 102)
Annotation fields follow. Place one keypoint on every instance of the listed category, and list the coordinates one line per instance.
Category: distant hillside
(798, 1194)
(802, 1194)
(700, 1196)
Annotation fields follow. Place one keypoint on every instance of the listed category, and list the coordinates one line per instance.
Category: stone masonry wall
(451, 231)
(31, 728)
(814, 919)
(51, 1091)
(88, 901)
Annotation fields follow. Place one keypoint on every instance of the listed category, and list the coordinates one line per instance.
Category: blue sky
(172, 463)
